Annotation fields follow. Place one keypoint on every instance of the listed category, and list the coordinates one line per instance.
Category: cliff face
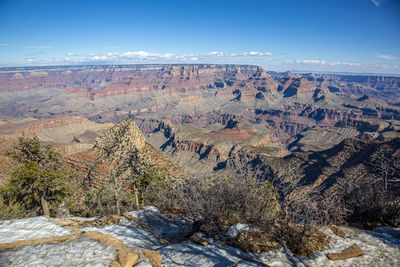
(380, 82)
(206, 151)
(197, 94)
(61, 130)
(112, 93)
(110, 80)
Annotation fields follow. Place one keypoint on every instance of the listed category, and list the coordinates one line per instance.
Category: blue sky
(316, 35)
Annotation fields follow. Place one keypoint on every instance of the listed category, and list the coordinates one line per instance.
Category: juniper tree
(41, 179)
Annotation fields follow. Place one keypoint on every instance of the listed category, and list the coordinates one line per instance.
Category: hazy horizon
(143, 64)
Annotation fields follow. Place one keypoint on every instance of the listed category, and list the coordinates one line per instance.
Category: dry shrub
(219, 203)
(302, 240)
(370, 205)
(310, 209)
(309, 206)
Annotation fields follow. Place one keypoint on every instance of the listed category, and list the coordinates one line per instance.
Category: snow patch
(381, 246)
(171, 228)
(31, 228)
(235, 230)
(78, 252)
(378, 250)
(391, 235)
(130, 233)
(187, 254)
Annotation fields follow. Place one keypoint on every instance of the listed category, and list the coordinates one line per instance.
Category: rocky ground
(148, 238)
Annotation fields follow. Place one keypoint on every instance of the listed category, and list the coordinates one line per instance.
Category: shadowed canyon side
(207, 151)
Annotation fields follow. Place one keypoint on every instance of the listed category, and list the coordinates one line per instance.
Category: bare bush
(387, 169)
(219, 203)
(301, 239)
(310, 207)
(371, 205)
(303, 211)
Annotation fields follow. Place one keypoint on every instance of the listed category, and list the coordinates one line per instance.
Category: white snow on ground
(392, 235)
(31, 228)
(130, 233)
(281, 258)
(171, 228)
(187, 254)
(81, 252)
(236, 229)
(379, 249)
(381, 246)
(142, 261)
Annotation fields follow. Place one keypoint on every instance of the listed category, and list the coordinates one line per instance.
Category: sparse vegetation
(118, 196)
(370, 204)
(220, 203)
(303, 239)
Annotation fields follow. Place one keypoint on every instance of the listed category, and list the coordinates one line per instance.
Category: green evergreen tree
(41, 180)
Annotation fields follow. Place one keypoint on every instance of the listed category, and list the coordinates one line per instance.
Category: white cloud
(97, 58)
(377, 3)
(142, 56)
(323, 62)
(216, 53)
(354, 66)
(243, 54)
(145, 54)
(390, 57)
(112, 54)
(131, 54)
(183, 56)
(215, 57)
(256, 53)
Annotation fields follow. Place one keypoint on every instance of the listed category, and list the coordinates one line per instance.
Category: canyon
(329, 142)
(228, 120)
